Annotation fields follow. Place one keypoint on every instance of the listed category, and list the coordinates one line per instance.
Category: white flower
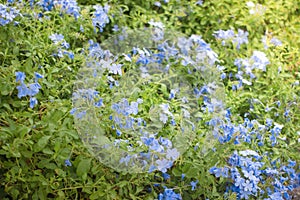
(248, 152)
(250, 4)
(156, 24)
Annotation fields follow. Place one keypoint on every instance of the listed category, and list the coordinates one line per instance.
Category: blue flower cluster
(123, 119)
(31, 90)
(122, 114)
(228, 35)
(47, 5)
(100, 18)
(169, 194)
(149, 149)
(58, 39)
(267, 42)
(8, 14)
(248, 132)
(69, 7)
(91, 96)
(210, 103)
(248, 173)
(258, 60)
(102, 61)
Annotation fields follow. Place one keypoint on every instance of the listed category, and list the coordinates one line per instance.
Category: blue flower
(163, 165)
(172, 154)
(47, 5)
(240, 38)
(65, 45)
(119, 133)
(223, 75)
(165, 107)
(100, 18)
(22, 90)
(239, 181)
(69, 53)
(269, 122)
(32, 102)
(166, 142)
(275, 196)
(166, 176)
(115, 69)
(125, 160)
(157, 3)
(56, 38)
(80, 114)
(226, 35)
(72, 112)
(199, 2)
(173, 93)
(81, 28)
(7, 14)
(163, 118)
(276, 42)
(152, 168)
(216, 171)
(182, 176)
(169, 194)
(37, 76)
(194, 184)
(95, 50)
(99, 103)
(68, 6)
(20, 76)
(278, 103)
(292, 163)
(115, 28)
(68, 163)
(156, 146)
(247, 186)
(223, 34)
(286, 112)
(260, 60)
(33, 89)
(133, 109)
(173, 122)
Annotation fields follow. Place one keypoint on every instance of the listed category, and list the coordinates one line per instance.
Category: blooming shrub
(67, 137)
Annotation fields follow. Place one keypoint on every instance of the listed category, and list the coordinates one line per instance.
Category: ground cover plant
(78, 121)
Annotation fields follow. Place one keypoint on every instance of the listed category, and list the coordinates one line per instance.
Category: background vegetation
(36, 141)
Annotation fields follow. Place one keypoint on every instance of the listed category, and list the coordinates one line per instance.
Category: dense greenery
(42, 154)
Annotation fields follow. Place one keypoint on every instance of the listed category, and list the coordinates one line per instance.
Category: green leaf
(176, 172)
(71, 133)
(46, 164)
(47, 151)
(97, 194)
(83, 167)
(41, 144)
(5, 89)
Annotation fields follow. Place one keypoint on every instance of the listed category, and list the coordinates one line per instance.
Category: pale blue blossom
(32, 102)
(172, 154)
(100, 18)
(20, 76)
(163, 165)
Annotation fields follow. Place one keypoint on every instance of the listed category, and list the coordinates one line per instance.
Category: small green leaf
(83, 167)
(41, 144)
(176, 172)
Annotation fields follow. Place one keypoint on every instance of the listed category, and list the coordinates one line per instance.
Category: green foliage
(35, 142)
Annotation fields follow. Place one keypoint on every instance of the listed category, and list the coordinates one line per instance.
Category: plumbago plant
(152, 124)
(125, 100)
